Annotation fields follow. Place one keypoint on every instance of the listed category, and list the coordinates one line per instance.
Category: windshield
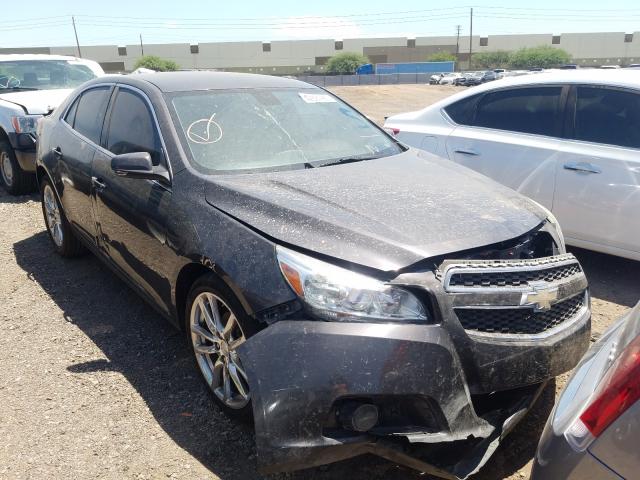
(43, 74)
(274, 129)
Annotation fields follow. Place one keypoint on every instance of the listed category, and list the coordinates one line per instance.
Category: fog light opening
(359, 417)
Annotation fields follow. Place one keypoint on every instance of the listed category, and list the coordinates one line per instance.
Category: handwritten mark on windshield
(205, 131)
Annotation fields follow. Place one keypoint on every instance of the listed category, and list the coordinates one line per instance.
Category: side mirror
(138, 165)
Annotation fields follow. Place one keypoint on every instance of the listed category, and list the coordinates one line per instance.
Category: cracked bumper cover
(298, 370)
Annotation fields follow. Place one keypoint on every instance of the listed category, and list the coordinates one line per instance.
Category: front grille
(523, 321)
(512, 278)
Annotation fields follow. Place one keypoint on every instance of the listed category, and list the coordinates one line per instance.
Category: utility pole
(470, 36)
(458, 28)
(73, 21)
(141, 46)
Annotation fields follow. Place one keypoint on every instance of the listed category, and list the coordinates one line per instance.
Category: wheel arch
(189, 274)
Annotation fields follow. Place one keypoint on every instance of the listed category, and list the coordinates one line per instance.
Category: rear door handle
(464, 151)
(98, 183)
(57, 152)
(582, 167)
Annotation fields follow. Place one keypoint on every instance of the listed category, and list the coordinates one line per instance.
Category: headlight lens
(334, 293)
(25, 123)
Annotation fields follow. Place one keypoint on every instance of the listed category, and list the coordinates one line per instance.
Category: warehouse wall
(297, 56)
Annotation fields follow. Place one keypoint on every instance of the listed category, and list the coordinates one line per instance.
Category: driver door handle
(57, 152)
(585, 167)
(467, 151)
(98, 183)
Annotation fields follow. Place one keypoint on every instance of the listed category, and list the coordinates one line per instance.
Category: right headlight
(334, 293)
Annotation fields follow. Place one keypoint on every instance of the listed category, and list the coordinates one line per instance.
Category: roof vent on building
(484, 41)
(122, 51)
(555, 40)
(266, 47)
(195, 48)
(338, 45)
(411, 43)
(628, 37)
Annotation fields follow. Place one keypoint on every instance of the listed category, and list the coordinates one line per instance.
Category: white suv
(568, 139)
(32, 86)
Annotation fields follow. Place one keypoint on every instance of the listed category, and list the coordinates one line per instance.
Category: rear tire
(14, 180)
(213, 335)
(64, 240)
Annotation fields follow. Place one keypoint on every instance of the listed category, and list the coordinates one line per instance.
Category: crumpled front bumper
(300, 371)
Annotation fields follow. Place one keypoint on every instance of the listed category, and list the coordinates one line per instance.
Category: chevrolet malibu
(348, 294)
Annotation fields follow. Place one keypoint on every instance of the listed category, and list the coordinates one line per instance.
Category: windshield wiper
(338, 161)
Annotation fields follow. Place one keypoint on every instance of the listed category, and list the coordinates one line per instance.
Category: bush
(543, 57)
(346, 63)
(156, 63)
(441, 57)
(491, 60)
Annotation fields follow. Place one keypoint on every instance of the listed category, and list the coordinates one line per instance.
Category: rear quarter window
(461, 112)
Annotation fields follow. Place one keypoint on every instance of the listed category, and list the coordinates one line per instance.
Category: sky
(119, 22)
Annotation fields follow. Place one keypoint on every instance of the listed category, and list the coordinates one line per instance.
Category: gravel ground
(95, 385)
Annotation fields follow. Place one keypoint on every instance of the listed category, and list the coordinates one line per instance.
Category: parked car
(568, 139)
(473, 78)
(30, 87)
(444, 78)
(500, 72)
(449, 78)
(346, 314)
(594, 430)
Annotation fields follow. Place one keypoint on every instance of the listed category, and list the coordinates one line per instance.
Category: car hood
(385, 214)
(37, 102)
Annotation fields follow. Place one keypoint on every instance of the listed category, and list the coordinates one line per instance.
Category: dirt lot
(95, 385)
(379, 101)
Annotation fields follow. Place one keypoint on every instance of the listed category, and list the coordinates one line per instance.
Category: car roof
(36, 56)
(614, 78)
(617, 77)
(204, 80)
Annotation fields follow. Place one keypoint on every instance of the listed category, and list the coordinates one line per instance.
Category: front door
(131, 212)
(597, 199)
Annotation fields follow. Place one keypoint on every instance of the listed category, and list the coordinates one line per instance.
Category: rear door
(132, 212)
(597, 197)
(510, 135)
(74, 144)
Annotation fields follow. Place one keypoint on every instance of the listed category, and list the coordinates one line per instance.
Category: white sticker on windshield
(316, 97)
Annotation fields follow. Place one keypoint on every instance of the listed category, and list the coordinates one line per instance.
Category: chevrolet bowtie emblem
(542, 296)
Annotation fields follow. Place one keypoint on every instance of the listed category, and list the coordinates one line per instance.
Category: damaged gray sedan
(350, 294)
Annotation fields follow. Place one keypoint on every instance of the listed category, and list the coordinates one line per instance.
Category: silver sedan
(594, 430)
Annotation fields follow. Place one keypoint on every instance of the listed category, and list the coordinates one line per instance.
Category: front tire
(64, 240)
(14, 180)
(216, 325)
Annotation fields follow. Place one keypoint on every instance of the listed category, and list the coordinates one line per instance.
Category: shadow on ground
(7, 198)
(154, 358)
(614, 279)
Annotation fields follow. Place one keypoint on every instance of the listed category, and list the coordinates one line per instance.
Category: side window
(131, 128)
(461, 111)
(528, 110)
(90, 113)
(71, 113)
(605, 115)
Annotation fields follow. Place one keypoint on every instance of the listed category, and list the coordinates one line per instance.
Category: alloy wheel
(6, 169)
(52, 215)
(216, 335)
